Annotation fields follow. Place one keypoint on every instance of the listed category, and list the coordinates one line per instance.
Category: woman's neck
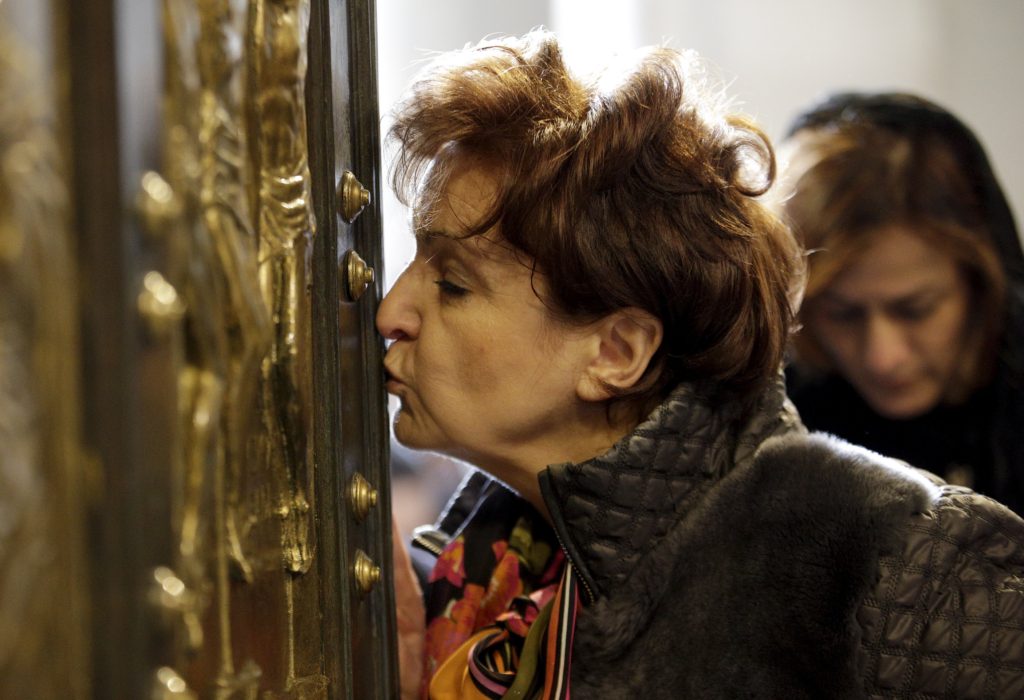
(593, 435)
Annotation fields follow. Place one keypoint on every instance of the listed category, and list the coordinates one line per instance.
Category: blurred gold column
(44, 650)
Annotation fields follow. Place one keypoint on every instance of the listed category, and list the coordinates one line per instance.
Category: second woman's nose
(887, 347)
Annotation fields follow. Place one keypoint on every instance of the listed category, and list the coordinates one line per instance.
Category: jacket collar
(608, 512)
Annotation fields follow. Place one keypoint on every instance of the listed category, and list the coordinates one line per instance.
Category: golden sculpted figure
(285, 235)
(237, 316)
(238, 226)
(226, 329)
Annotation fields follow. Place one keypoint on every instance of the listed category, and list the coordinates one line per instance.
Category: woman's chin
(903, 405)
(409, 433)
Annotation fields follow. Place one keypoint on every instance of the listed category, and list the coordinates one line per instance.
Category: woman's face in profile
(482, 370)
(894, 322)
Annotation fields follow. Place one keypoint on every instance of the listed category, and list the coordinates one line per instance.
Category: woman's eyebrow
(443, 247)
(436, 241)
(425, 236)
(832, 297)
(926, 293)
(433, 243)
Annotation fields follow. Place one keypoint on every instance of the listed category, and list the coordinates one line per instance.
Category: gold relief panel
(285, 227)
(237, 222)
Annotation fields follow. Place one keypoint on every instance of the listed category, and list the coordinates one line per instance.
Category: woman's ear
(623, 344)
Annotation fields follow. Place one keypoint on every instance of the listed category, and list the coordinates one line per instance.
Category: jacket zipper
(591, 598)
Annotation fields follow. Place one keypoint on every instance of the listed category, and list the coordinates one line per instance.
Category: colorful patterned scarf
(501, 609)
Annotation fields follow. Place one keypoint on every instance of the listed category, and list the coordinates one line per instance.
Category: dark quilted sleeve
(946, 619)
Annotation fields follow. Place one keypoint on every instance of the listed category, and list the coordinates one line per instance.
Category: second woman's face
(894, 323)
(482, 370)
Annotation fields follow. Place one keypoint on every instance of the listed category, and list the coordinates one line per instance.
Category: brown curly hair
(635, 188)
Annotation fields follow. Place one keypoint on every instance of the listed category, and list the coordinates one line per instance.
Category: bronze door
(219, 484)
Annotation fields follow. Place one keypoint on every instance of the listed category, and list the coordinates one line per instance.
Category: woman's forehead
(463, 202)
(486, 249)
(896, 263)
(458, 204)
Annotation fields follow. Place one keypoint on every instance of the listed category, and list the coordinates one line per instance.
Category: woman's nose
(397, 316)
(886, 347)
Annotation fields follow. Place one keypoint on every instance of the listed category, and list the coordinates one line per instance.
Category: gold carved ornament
(235, 214)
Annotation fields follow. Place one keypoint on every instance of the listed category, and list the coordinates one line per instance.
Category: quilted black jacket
(727, 557)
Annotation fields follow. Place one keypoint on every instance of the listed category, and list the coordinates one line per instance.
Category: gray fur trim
(754, 592)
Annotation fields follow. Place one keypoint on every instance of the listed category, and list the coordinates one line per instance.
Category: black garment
(955, 442)
(731, 555)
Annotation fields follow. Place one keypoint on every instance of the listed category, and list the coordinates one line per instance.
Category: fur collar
(754, 592)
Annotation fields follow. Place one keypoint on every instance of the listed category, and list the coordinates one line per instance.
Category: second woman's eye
(913, 313)
(843, 314)
(450, 289)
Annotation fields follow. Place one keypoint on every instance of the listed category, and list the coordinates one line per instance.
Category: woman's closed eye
(843, 313)
(450, 290)
(913, 311)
